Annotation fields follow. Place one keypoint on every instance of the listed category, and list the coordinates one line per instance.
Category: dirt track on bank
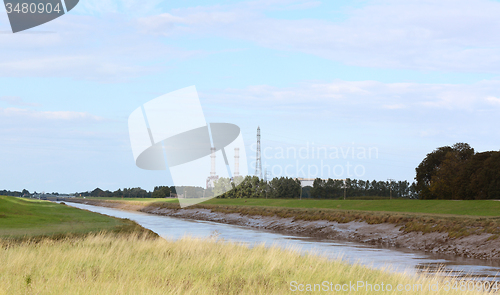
(481, 246)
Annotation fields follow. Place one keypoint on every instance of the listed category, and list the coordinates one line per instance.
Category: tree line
(459, 173)
(136, 192)
(449, 172)
(284, 187)
(337, 188)
(10, 193)
(253, 187)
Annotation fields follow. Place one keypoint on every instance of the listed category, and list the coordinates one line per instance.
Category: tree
(318, 190)
(443, 183)
(221, 186)
(485, 176)
(458, 172)
(436, 174)
(306, 192)
(97, 192)
(161, 192)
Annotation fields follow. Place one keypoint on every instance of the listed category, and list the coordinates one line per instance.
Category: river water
(398, 260)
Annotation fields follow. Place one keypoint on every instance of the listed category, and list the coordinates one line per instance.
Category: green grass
(471, 208)
(457, 218)
(100, 264)
(145, 200)
(26, 218)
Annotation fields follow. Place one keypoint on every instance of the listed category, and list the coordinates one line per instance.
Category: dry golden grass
(103, 264)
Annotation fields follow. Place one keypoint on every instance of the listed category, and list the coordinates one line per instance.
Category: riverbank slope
(28, 219)
(468, 236)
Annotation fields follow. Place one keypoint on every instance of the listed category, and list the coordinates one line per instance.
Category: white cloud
(107, 7)
(423, 35)
(493, 100)
(117, 42)
(48, 115)
(363, 94)
(367, 109)
(16, 100)
(394, 106)
(86, 47)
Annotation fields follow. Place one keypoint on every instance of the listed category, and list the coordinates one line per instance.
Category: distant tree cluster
(136, 192)
(284, 187)
(253, 187)
(191, 192)
(161, 192)
(459, 173)
(245, 187)
(10, 193)
(335, 188)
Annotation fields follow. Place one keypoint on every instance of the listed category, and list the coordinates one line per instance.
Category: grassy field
(470, 208)
(100, 264)
(457, 218)
(87, 257)
(26, 218)
(143, 200)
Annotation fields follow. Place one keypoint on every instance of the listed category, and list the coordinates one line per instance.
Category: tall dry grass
(103, 264)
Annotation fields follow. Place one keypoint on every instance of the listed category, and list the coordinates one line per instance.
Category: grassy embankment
(471, 208)
(33, 219)
(135, 263)
(130, 265)
(457, 218)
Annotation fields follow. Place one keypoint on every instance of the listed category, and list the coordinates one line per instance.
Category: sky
(372, 85)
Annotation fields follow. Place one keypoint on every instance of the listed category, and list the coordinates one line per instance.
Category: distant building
(51, 196)
(305, 181)
(309, 181)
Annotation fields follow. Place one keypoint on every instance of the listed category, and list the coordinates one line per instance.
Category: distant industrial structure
(305, 181)
(236, 162)
(213, 176)
(210, 183)
(310, 181)
(258, 160)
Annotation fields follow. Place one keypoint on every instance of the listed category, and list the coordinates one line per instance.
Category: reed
(134, 264)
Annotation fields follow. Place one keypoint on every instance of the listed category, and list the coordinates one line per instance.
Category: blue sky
(403, 77)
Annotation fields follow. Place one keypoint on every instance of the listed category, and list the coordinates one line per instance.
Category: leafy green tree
(483, 172)
(97, 192)
(161, 192)
(221, 186)
(318, 189)
(440, 167)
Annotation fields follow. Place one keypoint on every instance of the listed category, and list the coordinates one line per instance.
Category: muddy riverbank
(480, 246)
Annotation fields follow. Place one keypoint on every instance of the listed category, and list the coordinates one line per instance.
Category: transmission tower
(266, 175)
(258, 162)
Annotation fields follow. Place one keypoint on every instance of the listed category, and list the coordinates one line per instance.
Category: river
(397, 260)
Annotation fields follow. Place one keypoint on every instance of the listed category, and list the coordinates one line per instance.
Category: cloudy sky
(398, 78)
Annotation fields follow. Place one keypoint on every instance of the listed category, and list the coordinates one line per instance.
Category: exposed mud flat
(386, 234)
